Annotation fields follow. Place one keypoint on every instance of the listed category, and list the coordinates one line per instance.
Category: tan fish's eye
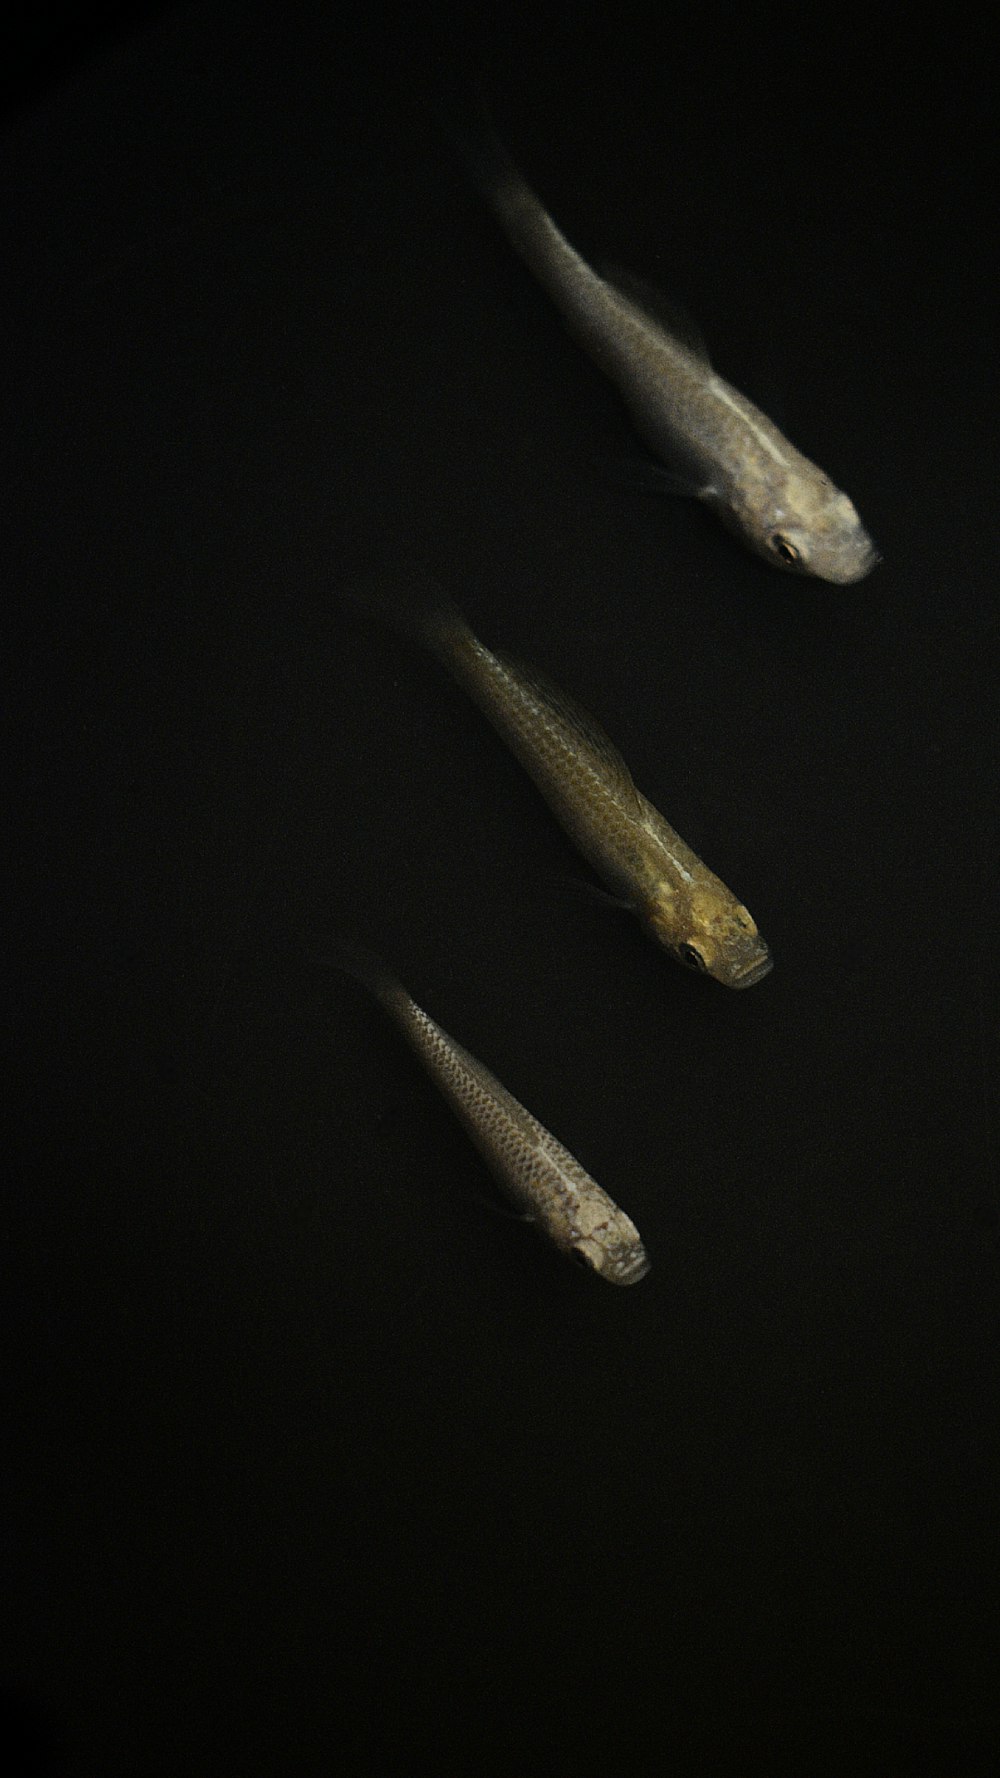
(781, 546)
(691, 957)
(581, 1259)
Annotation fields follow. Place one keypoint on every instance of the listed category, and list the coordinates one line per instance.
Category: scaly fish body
(541, 1177)
(632, 847)
(727, 453)
(587, 784)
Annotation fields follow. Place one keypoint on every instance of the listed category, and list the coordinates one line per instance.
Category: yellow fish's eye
(691, 957)
(582, 1259)
(781, 547)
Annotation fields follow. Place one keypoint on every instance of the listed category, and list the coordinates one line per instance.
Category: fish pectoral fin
(657, 478)
(596, 893)
(501, 1205)
(576, 722)
(670, 316)
(642, 475)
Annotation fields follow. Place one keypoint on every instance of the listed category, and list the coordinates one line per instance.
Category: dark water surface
(314, 1462)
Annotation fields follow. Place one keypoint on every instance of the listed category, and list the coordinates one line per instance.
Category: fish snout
(617, 1256)
(752, 972)
(856, 567)
(614, 1251)
(628, 1264)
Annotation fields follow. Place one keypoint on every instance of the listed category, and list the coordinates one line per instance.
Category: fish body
(589, 788)
(543, 1179)
(722, 449)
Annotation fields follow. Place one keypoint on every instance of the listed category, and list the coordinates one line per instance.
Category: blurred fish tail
(484, 156)
(413, 601)
(363, 965)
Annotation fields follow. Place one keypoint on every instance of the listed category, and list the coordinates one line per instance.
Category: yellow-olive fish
(549, 1187)
(589, 788)
(721, 448)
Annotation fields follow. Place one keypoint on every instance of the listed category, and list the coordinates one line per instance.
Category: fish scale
(562, 764)
(722, 449)
(581, 774)
(546, 1182)
(683, 905)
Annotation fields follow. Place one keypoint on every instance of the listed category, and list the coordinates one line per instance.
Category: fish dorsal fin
(579, 726)
(664, 311)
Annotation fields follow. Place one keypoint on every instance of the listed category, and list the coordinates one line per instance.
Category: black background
(315, 1461)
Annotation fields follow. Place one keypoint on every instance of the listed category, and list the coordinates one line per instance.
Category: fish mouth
(631, 1267)
(858, 569)
(753, 973)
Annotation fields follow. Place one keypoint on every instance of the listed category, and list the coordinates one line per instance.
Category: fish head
(798, 521)
(810, 527)
(613, 1249)
(712, 933)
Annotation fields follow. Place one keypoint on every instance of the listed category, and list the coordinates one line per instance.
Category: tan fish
(721, 448)
(549, 1187)
(589, 789)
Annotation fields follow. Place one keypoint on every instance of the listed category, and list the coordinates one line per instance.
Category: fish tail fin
(486, 159)
(363, 965)
(414, 601)
(465, 119)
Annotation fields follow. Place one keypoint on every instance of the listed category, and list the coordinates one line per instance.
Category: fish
(547, 1184)
(680, 903)
(721, 448)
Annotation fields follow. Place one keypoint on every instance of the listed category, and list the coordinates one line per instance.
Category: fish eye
(691, 957)
(781, 547)
(580, 1258)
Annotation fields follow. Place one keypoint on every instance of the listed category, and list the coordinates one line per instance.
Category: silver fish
(588, 786)
(723, 450)
(549, 1187)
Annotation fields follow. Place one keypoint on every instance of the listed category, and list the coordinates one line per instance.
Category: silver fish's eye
(781, 547)
(691, 957)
